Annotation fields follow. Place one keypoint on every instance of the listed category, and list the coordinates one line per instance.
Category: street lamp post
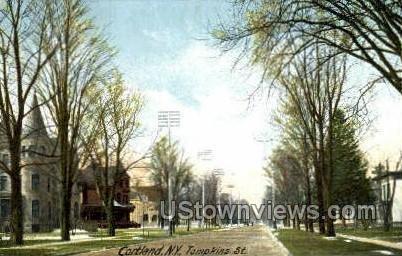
(169, 119)
(218, 173)
(204, 156)
(273, 202)
(230, 203)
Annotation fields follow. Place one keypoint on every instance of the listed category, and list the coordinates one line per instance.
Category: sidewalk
(373, 241)
(255, 241)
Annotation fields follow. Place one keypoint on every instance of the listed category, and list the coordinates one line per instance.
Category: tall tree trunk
(111, 231)
(16, 220)
(65, 202)
(330, 227)
(308, 222)
(387, 217)
(320, 201)
(65, 210)
(328, 177)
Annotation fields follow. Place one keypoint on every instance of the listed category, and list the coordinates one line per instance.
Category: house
(144, 196)
(92, 209)
(40, 186)
(384, 186)
(146, 211)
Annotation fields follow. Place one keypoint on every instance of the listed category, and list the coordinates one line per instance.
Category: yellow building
(144, 197)
(146, 212)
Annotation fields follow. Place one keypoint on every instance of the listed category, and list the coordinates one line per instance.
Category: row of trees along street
(168, 162)
(53, 47)
(305, 50)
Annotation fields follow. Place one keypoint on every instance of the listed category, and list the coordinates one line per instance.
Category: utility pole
(204, 155)
(218, 174)
(230, 203)
(273, 202)
(169, 119)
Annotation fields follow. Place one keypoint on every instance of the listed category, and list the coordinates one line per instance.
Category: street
(239, 241)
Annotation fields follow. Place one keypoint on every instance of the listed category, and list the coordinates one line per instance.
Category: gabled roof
(34, 126)
(87, 175)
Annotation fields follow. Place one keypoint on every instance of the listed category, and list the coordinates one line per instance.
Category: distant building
(383, 185)
(144, 196)
(40, 186)
(146, 211)
(92, 209)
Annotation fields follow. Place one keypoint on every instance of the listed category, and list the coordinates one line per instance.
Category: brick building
(92, 209)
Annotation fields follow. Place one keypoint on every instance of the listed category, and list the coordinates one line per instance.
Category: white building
(384, 185)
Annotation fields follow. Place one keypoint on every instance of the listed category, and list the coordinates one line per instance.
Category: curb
(284, 250)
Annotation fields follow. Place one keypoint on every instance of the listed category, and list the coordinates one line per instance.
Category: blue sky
(148, 33)
(163, 51)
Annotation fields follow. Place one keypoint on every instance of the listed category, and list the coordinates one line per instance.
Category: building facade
(384, 186)
(146, 211)
(92, 209)
(145, 197)
(39, 174)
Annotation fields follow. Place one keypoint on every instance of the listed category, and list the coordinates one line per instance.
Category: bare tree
(315, 89)
(25, 49)
(295, 139)
(287, 174)
(70, 78)
(367, 30)
(168, 163)
(118, 115)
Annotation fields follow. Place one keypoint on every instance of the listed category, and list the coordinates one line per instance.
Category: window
(31, 150)
(23, 149)
(49, 211)
(3, 183)
(125, 200)
(4, 208)
(35, 208)
(6, 159)
(145, 217)
(76, 211)
(118, 197)
(35, 182)
(385, 192)
(48, 184)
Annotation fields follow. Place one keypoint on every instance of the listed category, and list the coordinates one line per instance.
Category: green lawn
(394, 235)
(5, 244)
(305, 243)
(123, 237)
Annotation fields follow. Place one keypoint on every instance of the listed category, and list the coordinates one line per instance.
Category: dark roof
(396, 174)
(34, 124)
(87, 175)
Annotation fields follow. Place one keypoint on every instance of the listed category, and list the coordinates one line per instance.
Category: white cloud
(219, 121)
